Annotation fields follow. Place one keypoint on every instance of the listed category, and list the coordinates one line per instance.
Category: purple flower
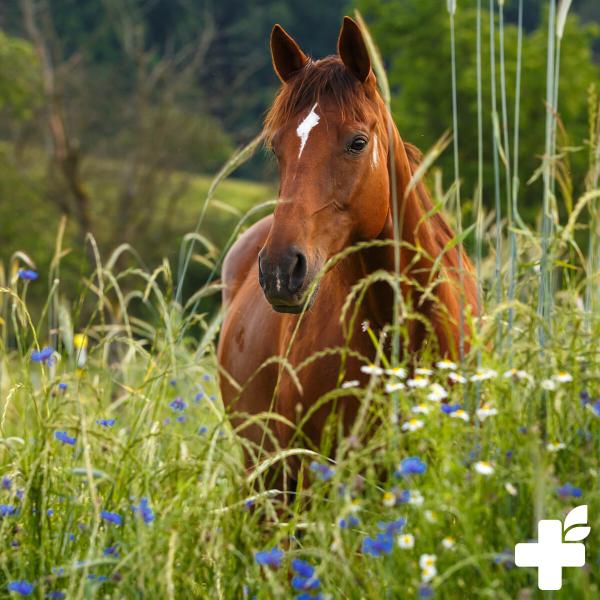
(42, 355)
(63, 437)
(412, 465)
(324, 472)
(27, 274)
(7, 510)
(568, 490)
(21, 587)
(269, 558)
(6, 483)
(376, 546)
(144, 510)
(112, 517)
(392, 527)
(198, 397)
(105, 422)
(178, 404)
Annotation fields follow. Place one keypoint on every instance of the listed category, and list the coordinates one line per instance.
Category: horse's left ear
(353, 50)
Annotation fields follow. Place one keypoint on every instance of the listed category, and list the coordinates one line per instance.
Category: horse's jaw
(298, 307)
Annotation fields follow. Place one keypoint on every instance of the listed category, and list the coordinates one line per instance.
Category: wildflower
(418, 382)
(448, 542)
(396, 372)
(63, 437)
(406, 541)
(389, 499)
(324, 472)
(62, 386)
(305, 576)
(350, 384)
(111, 551)
(392, 527)
(269, 558)
(425, 591)
(206, 377)
(421, 409)
(424, 372)
(427, 564)
(56, 595)
(450, 408)
(594, 408)
(376, 546)
(7, 510)
(486, 411)
(42, 355)
(549, 385)
(202, 429)
(412, 465)
(416, 498)
(390, 388)
(568, 489)
(21, 587)
(27, 274)
(460, 414)
(144, 510)
(437, 393)
(412, 425)
(430, 516)
(484, 374)
(6, 483)
(484, 467)
(506, 558)
(105, 422)
(350, 521)
(555, 446)
(510, 488)
(457, 377)
(80, 343)
(517, 374)
(112, 517)
(562, 377)
(178, 404)
(373, 370)
(446, 365)
(198, 397)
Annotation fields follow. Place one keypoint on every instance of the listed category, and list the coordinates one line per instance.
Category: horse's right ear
(287, 56)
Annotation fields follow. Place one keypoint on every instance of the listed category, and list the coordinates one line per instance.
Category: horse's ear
(353, 50)
(287, 56)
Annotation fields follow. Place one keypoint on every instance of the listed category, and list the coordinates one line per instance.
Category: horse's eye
(358, 144)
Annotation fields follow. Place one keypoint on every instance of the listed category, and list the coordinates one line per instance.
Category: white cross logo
(550, 554)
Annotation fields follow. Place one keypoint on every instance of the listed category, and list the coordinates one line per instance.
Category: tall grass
(158, 503)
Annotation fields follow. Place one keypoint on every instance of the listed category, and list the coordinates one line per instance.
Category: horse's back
(242, 256)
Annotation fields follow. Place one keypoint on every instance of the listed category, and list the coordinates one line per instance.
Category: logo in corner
(557, 547)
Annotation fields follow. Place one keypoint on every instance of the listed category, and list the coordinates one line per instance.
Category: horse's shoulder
(242, 256)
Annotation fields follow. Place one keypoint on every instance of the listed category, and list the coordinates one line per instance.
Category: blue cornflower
(425, 591)
(27, 274)
(111, 551)
(308, 596)
(403, 497)
(324, 472)
(351, 521)
(305, 576)
(178, 404)
(42, 355)
(144, 509)
(206, 377)
(181, 419)
(50, 512)
(173, 382)
(63, 437)
(302, 568)
(450, 408)
(392, 527)
(112, 517)
(568, 489)
(56, 595)
(58, 571)
(6, 483)
(62, 386)
(7, 510)
(198, 397)
(106, 422)
(202, 429)
(376, 546)
(212, 398)
(506, 558)
(594, 407)
(21, 587)
(269, 558)
(412, 465)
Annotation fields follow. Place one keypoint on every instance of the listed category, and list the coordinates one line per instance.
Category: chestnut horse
(339, 156)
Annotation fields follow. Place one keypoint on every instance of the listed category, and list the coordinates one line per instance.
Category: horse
(342, 166)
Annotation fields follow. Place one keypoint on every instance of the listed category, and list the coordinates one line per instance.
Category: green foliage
(414, 39)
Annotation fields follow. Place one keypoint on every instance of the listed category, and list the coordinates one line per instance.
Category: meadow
(121, 477)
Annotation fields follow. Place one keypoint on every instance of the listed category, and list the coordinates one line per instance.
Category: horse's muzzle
(284, 280)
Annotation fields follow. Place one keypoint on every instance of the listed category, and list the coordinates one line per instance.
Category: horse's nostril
(297, 272)
(261, 277)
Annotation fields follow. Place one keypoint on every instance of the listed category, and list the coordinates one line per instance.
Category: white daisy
(412, 425)
(486, 411)
(460, 414)
(563, 377)
(549, 384)
(428, 573)
(483, 467)
(517, 374)
(418, 382)
(448, 542)
(484, 374)
(389, 499)
(390, 388)
(421, 409)
(406, 541)
(396, 372)
(423, 372)
(416, 498)
(457, 377)
(555, 446)
(446, 365)
(430, 516)
(427, 560)
(350, 384)
(510, 488)
(372, 370)
(437, 393)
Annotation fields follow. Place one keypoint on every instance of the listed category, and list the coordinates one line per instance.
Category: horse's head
(328, 130)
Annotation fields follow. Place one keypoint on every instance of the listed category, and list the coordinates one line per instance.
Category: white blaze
(304, 129)
(375, 155)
